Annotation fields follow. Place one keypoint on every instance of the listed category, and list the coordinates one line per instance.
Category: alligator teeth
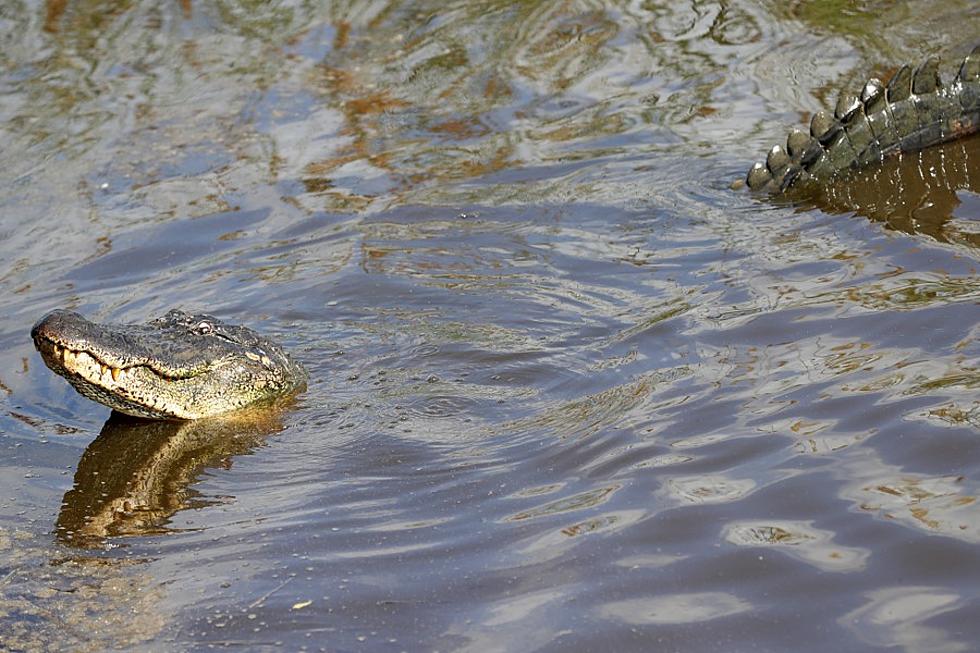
(69, 357)
(116, 372)
(103, 369)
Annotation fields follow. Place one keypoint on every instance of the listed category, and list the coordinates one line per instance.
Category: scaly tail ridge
(913, 111)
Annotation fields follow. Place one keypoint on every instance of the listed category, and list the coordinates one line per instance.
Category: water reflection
(915, 193)
(703, 489)
(899, 616)
(799, 539)
(935, 504)
(675, 608)
(136, 474)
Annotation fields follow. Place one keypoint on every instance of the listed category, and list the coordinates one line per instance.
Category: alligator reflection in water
(136, 474)
(921, 192)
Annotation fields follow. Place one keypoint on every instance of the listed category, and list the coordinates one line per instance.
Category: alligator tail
(914, 110)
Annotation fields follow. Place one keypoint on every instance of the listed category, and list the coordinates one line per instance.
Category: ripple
(568, 390)
(665, 460)
(941, 505)
(708, 489)
(587, 415)
(555, 543)
(695, 607)
(799, 540)
(897, 616)
(391, 526)
(581, 501)
(650, 560)
(538, 491)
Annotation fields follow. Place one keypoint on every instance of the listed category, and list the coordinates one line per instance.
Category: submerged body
(913, 111)
(180, 366)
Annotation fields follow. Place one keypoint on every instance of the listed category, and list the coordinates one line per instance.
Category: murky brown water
(569, 391)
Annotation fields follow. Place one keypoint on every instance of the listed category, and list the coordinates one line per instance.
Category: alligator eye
(204, 327)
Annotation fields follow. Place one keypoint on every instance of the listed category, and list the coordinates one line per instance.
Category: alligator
(913, 111)
(180, 366)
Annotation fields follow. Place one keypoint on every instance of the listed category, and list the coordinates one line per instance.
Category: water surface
(569, 391)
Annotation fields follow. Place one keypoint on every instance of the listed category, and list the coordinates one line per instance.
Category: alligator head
(913, 111)
(179, 366)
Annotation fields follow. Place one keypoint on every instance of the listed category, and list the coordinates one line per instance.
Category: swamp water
(568, 390)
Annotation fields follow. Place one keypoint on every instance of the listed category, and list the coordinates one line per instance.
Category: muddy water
(568, 391)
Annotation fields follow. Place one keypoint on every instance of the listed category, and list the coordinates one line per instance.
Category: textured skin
(180, 366)
(914, 110)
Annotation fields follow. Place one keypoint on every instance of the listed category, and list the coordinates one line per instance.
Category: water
(568, 391)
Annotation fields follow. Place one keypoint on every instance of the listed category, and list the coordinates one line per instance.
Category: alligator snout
(180, 366)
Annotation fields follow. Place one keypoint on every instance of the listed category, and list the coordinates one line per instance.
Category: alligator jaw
(178, 367)
(914, 110)
(124, 388)
(85, 366)
(82, 363)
